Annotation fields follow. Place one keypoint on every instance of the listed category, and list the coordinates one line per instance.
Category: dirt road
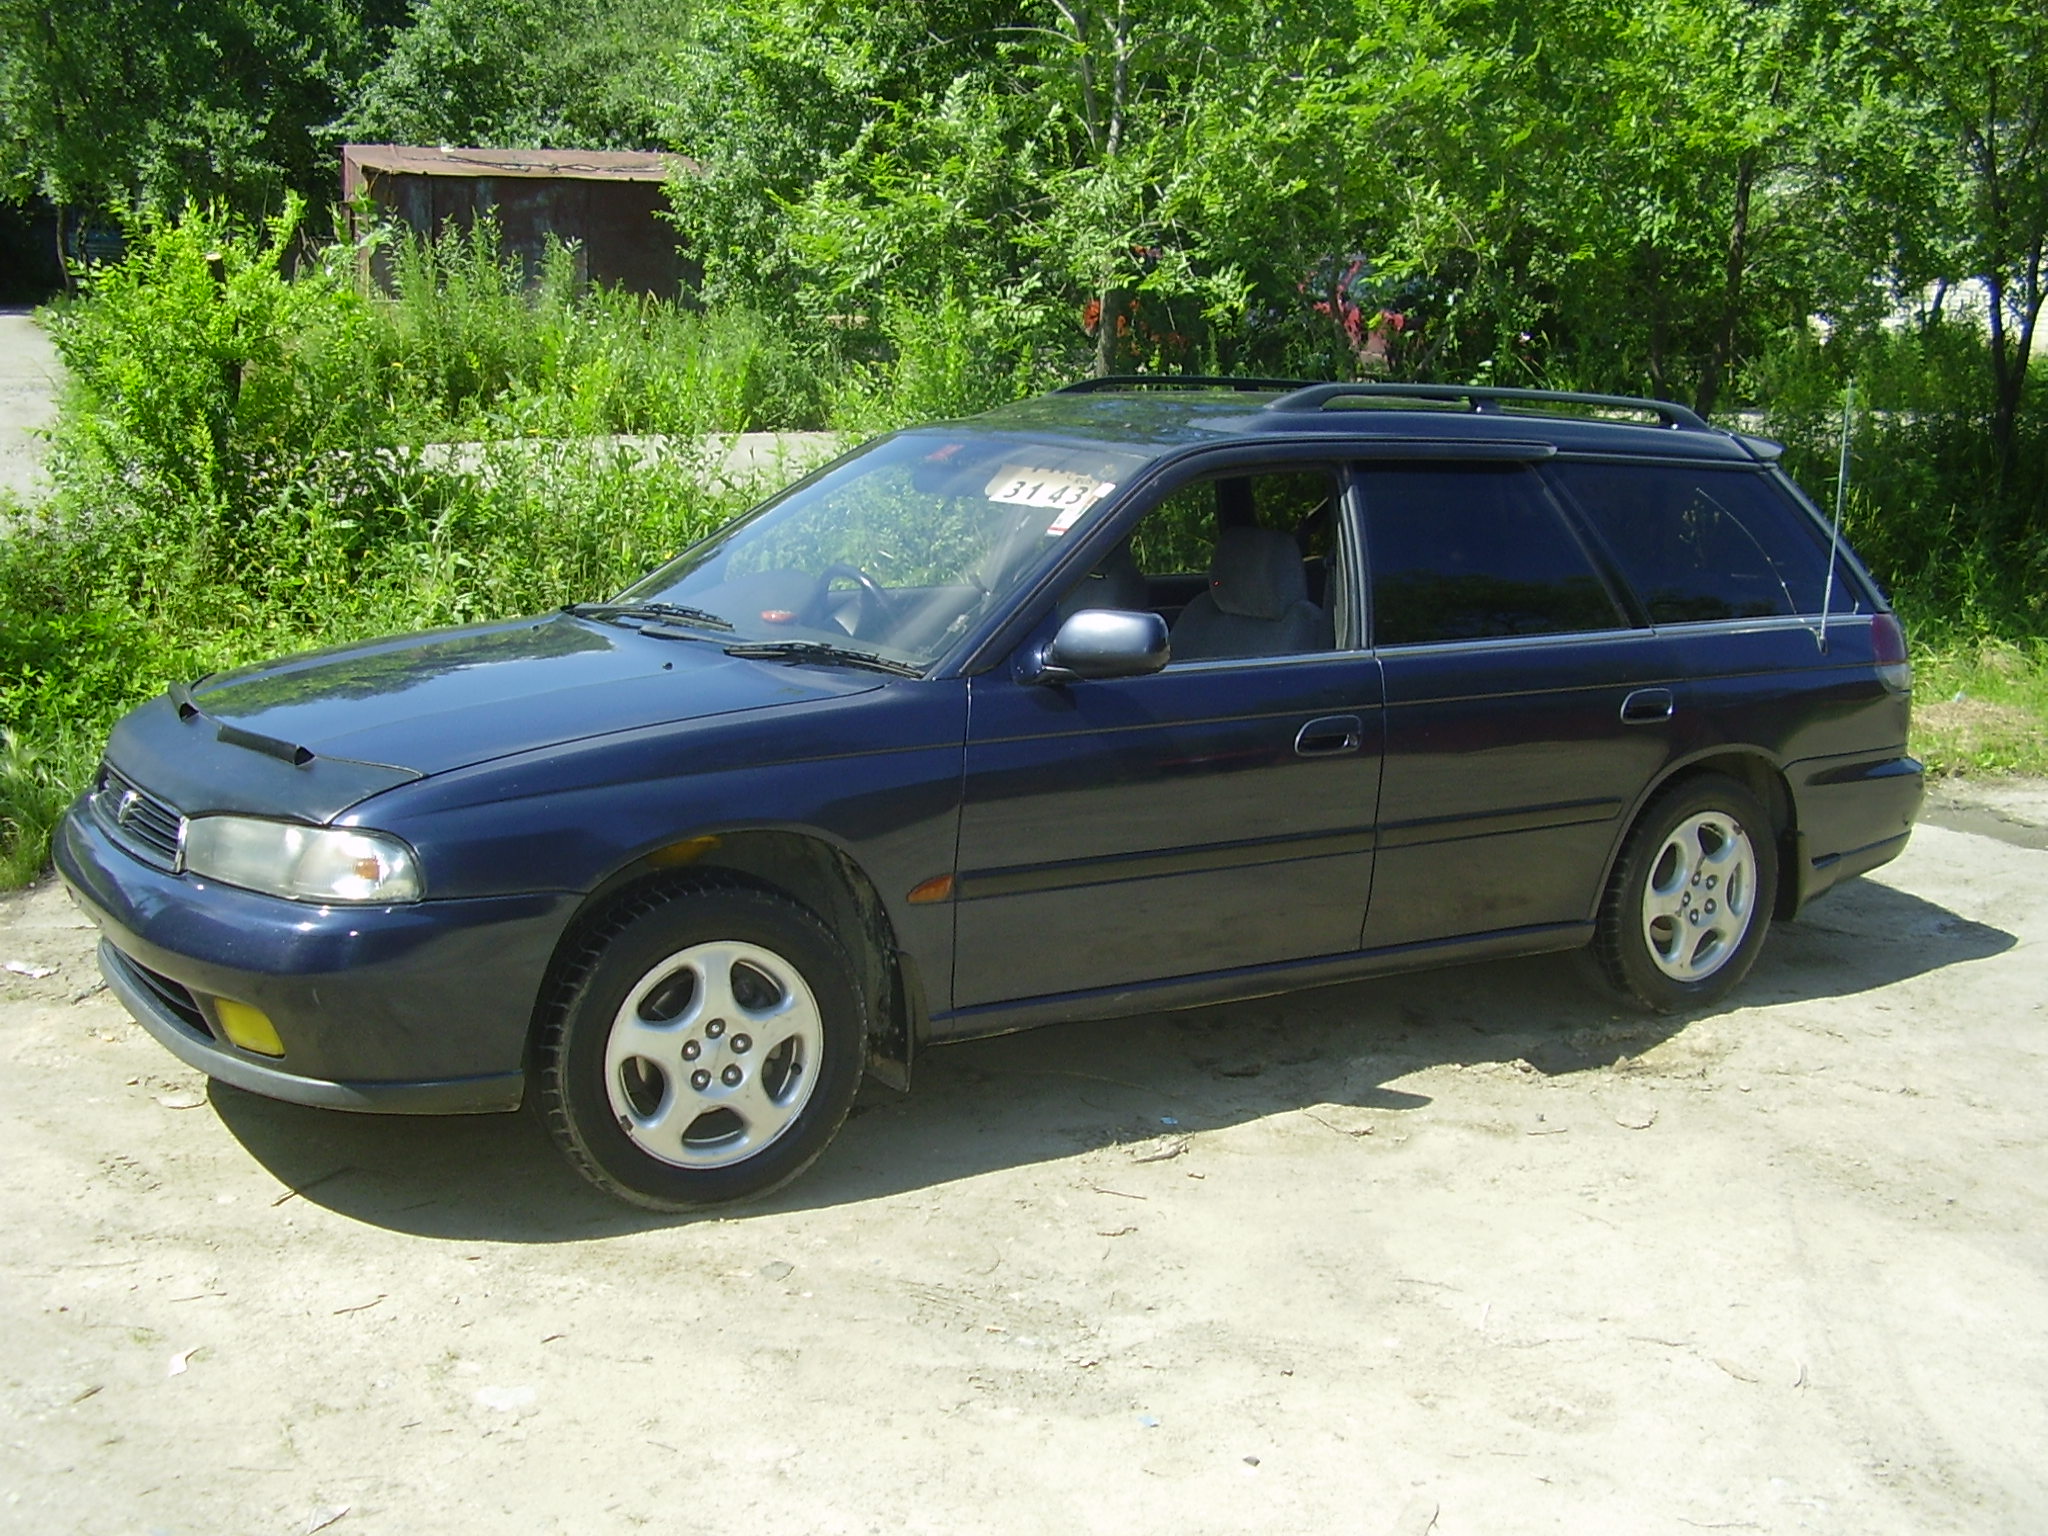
(1460, 1252)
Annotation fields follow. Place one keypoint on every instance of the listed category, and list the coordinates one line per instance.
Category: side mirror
(1101, 643)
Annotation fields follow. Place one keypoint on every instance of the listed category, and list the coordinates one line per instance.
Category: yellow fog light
(248, 1027)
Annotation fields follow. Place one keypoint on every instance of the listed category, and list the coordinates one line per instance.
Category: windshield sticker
(1067, 493)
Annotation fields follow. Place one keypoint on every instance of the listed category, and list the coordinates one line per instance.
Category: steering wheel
(877, 607)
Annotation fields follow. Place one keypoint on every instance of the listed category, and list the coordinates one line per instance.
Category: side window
(1706, 543)
(1467, 551)
(1239, 565)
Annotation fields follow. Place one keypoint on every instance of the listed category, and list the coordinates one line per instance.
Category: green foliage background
(251, 463)
(914, 208)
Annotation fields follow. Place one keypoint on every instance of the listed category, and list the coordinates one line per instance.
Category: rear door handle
(1647, 706)
(1331, 736)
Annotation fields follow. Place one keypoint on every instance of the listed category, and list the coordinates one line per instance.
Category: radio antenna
(1841, 507)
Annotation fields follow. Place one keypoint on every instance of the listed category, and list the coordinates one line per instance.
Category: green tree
(1168, 171)
(526, 74)
(144, 103)
(1960, 157)
(783, 101)
(1653, 204)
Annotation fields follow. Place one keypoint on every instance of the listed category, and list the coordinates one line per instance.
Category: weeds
(245, 467)
(37, 780)
(1964, 555)
(253, 461)
(1981, 707)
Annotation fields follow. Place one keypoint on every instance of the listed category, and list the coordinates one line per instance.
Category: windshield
(897, 552)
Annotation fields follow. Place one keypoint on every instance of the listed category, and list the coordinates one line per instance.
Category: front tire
(1690, 899)
(703, 1044)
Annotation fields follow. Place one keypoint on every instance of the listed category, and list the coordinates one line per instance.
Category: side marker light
(938, 888)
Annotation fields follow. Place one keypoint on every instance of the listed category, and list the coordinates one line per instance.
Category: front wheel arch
(701, 1042)
(815, 874)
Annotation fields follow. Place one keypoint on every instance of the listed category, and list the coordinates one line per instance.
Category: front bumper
(423, 1008)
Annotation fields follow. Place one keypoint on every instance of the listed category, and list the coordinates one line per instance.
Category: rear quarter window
(1704, 543)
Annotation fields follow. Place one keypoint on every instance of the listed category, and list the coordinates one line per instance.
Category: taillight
(1888, 650)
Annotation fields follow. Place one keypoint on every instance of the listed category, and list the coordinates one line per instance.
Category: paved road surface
(29, 378)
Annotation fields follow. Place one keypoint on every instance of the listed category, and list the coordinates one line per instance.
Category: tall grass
(37, 780)
(249, 463)
(466, 345)
(242, 468)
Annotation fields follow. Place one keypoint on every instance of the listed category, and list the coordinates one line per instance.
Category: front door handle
(1331, 736)
(1647, 706)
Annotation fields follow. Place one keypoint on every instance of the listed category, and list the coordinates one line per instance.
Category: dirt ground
(1460, 1252)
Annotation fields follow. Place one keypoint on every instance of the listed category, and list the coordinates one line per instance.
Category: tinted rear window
(1468, 551)
(1702, 543)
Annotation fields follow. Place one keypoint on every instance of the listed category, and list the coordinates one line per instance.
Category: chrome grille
(146, 826)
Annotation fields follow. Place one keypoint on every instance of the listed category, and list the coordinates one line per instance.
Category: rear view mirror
(1102, 643)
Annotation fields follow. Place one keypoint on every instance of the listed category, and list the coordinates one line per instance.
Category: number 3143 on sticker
(1067, 493)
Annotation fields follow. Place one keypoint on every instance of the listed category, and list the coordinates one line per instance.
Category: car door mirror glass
(1101, 643)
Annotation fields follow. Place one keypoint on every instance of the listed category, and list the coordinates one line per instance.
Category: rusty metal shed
(606, 203)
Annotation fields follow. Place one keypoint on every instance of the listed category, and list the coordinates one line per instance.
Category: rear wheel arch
(1757, 773)
(1689, 899)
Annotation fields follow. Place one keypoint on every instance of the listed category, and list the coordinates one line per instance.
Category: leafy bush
(1964, 555)
(254, 460)
(930, 361)
(250, 463)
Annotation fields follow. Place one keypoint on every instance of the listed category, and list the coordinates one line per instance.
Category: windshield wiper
(666, 613)
(821, 651)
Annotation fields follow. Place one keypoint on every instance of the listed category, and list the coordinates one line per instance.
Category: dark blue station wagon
(1121, 699)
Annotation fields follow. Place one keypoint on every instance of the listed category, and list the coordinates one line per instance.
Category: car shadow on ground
(1056, 1092)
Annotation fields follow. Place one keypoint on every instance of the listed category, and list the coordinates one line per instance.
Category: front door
(1213, 816)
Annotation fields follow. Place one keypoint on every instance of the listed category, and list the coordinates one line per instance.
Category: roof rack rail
(1118, 381)
(1486, 397)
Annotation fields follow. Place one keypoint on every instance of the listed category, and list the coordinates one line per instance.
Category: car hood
(313, 734)
(449, 698)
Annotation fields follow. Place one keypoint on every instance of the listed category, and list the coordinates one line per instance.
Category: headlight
(304, 863)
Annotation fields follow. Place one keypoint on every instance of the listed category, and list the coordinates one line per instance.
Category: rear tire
(1689, 901)
(703, 1044)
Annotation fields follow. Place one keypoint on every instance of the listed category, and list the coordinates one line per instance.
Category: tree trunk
(2010, 356)
(1110, 350)
(1723, 350)
(63, 265)
(1654, 292)
(2009, 381)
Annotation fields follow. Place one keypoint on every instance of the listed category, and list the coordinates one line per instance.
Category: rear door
(1526, 708)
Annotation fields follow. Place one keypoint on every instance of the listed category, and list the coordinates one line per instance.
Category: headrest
(1256, 573)
(1115, 583)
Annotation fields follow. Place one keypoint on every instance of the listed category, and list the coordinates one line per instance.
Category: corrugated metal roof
(539, 164)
